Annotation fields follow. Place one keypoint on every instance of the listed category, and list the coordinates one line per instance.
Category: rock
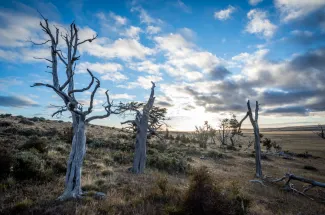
(99, 195)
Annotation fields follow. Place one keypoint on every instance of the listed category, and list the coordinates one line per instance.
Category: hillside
(180, 177)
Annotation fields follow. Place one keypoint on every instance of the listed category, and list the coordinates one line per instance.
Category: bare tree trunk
(140, 156)
(142, 120)
(257, 138)
(257, 152)
(74, 164)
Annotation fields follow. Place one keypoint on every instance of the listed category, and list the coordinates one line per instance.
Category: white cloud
(184, 59)
(254, 2)
(120, 48)
(146, 66)
(153, 29)
(109, 71)
(119, 20)
(297, 9)
(132, 32)
(122, 96)
(145, 17)
(142, 82)
(259, 24)
(17, 29)
(302, 33)
(224, 14)
(183, 6)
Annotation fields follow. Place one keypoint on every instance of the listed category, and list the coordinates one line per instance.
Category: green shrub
(28, 165)
(26, 121)
(204, 197)
(5, 124)
(122, 157)
(5, 115)
(59, 166)
(169, 162)
(107, 172)
(36, 143)
(5, 163)
(311, 168)
(96, 143)
(215, 155)
(23, 205)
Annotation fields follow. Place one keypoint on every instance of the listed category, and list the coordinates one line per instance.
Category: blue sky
(206, 57)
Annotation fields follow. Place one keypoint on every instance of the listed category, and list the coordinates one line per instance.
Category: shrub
(107, 172)
(123, 136)
(96, 143)
(169, 162)
(5, 164)
(311, 168)
(5, 115)
(28, 165)
(215, 155)
(38, 119)
(59, 166)
(36, 143)
(29, 132)
(23, 205)
(122, 157)
(5, 124)
(26, 121)
(67, 135)
(204, 197)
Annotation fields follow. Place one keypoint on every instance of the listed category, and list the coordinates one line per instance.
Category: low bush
(96, 143)
(215, 155)
(28, 165)
(122, 157)
(37, 143)
(311, 168)
(26, 121)
(169, 162)
(205, 197)
(5, 115)
(22, 206)
(38, 119)
(5, 163)
(5, 124)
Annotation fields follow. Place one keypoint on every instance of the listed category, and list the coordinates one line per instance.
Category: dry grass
(155, 192)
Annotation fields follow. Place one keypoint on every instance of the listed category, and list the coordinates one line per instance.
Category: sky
(207, 58)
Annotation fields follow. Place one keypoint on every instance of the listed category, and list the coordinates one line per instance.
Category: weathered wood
(141, 122)
(79, 117)
(254, 122)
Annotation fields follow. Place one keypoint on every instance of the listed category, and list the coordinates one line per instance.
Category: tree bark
(142, 120)
(140, 156)
(257, 138)
(74, 164)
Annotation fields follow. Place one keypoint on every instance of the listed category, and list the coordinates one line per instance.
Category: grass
(174, 181)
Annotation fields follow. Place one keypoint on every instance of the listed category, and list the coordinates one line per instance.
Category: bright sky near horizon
(206, 57)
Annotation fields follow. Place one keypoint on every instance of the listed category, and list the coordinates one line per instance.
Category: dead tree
(78, 149)
(223, 132)
(290, 187)
(79, 116)
(202, 134)
(254, 123)
(69, 60)
(144, 125)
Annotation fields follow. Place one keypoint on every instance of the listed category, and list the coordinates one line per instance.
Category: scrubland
(181, 177)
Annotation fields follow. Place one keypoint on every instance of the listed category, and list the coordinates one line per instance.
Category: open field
(166, 185)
